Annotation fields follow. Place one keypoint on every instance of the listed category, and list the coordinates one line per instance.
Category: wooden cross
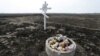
(44, 9)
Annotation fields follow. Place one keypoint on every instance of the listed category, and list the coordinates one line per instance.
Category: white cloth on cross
(45, 15)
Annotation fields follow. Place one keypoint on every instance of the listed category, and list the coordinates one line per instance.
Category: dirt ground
(28, 39)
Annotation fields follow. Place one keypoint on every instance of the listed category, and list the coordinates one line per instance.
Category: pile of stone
(60, 43)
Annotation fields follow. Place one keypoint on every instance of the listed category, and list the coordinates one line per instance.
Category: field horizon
(87, 20)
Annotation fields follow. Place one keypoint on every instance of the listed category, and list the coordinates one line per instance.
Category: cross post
(44, 9)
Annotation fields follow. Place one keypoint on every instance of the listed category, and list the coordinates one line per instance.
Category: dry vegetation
(24, 35)
(82, 20)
